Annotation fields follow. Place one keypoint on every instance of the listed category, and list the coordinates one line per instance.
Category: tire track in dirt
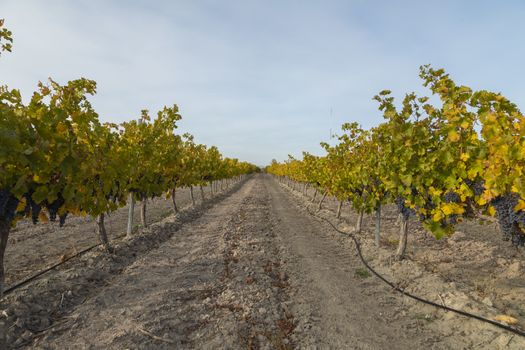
(339, 308)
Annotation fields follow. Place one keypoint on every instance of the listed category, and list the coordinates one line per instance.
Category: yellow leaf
(437, 216)
(506, 319)
(42, 217)
(486, 196)
(520, 205)
(464, 156)
(21, 205)
(61, 128)
(452, 208)
(492, 211)
(453, 136)
(464, 125)
(434, 192)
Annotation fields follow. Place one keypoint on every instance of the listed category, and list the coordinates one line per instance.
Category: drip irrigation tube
(40, 273)
(412, 296)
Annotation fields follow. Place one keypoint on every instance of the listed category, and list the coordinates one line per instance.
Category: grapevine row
(461, 158)
(58, 158)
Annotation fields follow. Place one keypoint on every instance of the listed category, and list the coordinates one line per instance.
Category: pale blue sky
(258, 78)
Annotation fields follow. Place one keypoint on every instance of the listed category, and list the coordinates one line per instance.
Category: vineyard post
(211, 189)
(378, 225)
(102, 235)
(191, 195)
(130, 214)
(143, 212)
(202, 193)
(359, 224)
(175, 209)
(401, 248)
(338, 215)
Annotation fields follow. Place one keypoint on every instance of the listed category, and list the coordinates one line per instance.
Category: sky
(262, 79)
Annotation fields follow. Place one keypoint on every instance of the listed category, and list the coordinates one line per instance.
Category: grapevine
(57, 158)
(441, 163)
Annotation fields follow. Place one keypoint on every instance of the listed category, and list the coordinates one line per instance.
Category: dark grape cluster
(478, 186)
(452, 197)
(8, 204)
(451, 220)
(429, 205)
(54, 206)
(34, 208)
(510, 222)
(403, 210)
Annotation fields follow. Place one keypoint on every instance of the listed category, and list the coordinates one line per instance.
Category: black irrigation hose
(52, 267)
(415, 297)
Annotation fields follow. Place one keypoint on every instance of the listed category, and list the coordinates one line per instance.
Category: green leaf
(40, 194)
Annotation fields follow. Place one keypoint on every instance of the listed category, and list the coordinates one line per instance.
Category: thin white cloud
(258, 78)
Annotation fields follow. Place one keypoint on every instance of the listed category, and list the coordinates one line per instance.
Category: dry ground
(251, 269)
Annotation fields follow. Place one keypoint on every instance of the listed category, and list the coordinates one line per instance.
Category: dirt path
(348, 311)
(214, 284)
(251, 270)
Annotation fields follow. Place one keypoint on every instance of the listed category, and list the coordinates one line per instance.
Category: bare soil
(251, 269)
(32, 248)
(472, 270)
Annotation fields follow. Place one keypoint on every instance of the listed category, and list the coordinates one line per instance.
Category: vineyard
(463, 159)
(57, 158)
(409, 234)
